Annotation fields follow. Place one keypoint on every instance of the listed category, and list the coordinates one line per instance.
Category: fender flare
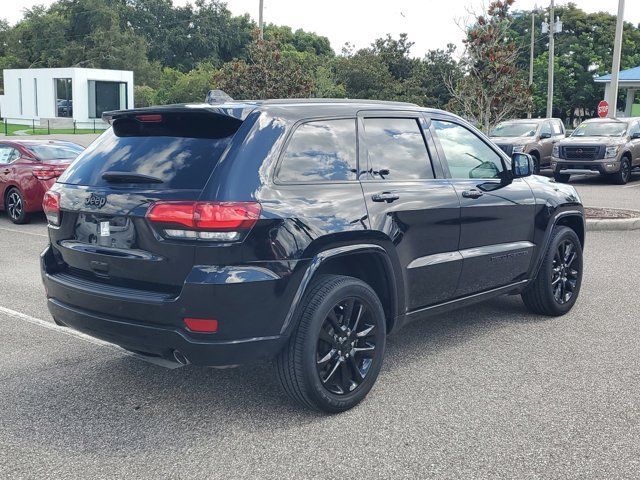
(547, 236)
(322, 257)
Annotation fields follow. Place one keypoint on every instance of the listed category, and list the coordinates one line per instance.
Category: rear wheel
(624, 174)
(335, 354)
(561, 177)
(15, 207)
(557, 285)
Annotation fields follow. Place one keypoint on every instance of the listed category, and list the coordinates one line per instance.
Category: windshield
(600, 129)
(514, 129)
(56, 152)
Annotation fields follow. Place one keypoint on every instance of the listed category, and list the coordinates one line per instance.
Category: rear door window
(321, 151)
(166, 152)
(397, 150)
(8, 154)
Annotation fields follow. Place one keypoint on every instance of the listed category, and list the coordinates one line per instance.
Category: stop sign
(603, 109)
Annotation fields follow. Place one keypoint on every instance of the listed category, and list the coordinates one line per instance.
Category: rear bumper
(163, 341)
(250, 304)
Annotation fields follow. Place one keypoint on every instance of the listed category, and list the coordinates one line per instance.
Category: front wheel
(335, 354)
(624, 174)
(557, 285)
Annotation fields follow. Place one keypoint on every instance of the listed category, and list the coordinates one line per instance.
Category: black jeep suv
(299, 231)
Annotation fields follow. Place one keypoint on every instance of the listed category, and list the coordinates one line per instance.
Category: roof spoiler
(234, 113)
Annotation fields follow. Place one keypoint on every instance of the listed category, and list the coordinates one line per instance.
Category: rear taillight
(51, 207)
(212, 221)
(47, 173)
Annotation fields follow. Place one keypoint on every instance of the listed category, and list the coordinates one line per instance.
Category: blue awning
(630, 75)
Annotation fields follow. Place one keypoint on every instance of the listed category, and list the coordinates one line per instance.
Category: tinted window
(396, 145)
(321, 151)
(180, 162)
(466, 154)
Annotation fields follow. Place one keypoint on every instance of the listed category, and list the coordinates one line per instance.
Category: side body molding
(331, 253)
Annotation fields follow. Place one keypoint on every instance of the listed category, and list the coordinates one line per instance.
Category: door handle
(473, 193)
(385, 197)
(6, 172)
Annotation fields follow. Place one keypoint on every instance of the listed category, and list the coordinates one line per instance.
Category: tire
(624, 174)
(15, 207)
(536, 163)
(557, 277)
(330, 373)
(561, 177)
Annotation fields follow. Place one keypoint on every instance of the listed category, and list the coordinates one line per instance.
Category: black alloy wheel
(556, 287)
(564, 276)
(346, 346)
(335, 353)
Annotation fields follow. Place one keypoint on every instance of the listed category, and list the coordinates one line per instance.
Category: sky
(430, 24)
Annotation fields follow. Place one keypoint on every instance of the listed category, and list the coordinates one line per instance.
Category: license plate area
(105, 230)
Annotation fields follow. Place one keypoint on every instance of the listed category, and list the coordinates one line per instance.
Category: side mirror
(545, 135)
(522, 165)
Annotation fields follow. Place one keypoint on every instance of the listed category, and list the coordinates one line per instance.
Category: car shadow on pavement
(94, 390)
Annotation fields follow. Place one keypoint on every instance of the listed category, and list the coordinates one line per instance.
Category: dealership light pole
(533, 37)
(261, 20)
(615, 69)
(552, 21)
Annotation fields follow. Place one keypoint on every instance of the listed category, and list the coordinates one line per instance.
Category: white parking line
(15, 230)
(72, 333)
(632, 186)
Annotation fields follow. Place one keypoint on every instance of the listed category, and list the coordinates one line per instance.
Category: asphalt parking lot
(484, 392)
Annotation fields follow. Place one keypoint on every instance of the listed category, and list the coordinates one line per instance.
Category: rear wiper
(129, 177)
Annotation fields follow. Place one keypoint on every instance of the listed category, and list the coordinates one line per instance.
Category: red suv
(28, 168)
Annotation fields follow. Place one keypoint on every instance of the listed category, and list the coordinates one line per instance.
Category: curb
(612, 224)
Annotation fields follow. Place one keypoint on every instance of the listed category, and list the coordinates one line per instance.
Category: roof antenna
(217, 96)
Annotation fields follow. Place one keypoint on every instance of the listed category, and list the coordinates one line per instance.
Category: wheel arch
(368, 262)
(573, 219)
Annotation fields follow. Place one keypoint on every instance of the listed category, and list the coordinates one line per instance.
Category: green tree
(266, 73)
(583, 50)
(492, 86)
(299, 41)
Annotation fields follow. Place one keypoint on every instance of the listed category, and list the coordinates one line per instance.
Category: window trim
(424, 124)
(289, 136)
(506, 161)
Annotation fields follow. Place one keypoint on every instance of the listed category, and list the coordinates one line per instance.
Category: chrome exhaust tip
(180, 358)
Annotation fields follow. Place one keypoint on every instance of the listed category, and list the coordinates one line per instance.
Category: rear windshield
(167, 154)
(56, 152)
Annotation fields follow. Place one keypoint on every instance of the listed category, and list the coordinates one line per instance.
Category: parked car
(303, 231)
(28, 168)
(599, 146)
(535, 136)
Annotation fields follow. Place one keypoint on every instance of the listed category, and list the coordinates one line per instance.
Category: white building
(64, 95)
